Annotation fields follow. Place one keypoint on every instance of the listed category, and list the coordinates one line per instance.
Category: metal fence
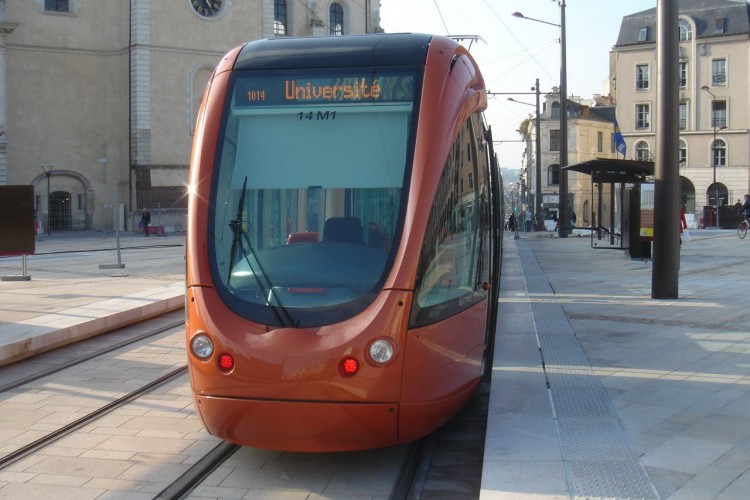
(76, 237)
(67, 211)
(91, 253)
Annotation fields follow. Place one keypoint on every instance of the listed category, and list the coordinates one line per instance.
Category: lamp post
(538, 155)
(47, 169)
(713, 151)
(563, 204)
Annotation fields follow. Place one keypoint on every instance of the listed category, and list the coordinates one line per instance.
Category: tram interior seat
(343, 230)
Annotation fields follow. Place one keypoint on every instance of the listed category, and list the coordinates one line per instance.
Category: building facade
(714, 109)
(98, 98)
(590, 136)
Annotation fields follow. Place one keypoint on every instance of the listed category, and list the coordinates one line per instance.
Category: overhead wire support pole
(563, 203)
(717, 204)
(666, 255)
(538, 191)
(564, 216)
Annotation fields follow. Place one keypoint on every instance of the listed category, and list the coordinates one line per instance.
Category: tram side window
(451, 263)
(483, 188)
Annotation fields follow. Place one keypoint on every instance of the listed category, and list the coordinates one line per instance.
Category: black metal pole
(563, 204)
(666, 255)
(713, 161)
(538, 219)
(713, 154)
(564, 216)
(47, 169)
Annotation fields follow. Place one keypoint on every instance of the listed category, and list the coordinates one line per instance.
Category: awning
(607, 170)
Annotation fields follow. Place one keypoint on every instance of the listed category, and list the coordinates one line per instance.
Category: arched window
(279, 17)
(641, 151)
(720, 153)
(555, 109)
(335, 20)
(686, 31)
(682, 154)
(553, 175)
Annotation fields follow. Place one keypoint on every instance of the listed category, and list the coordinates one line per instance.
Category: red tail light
(226, 362)
(349, 366)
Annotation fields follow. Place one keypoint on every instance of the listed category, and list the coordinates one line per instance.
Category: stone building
(590, 136)
(98, 98)
(714, 111)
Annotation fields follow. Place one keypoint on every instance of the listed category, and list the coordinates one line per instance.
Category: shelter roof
(609, 170)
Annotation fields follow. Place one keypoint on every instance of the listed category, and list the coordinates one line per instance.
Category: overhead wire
(447, 32)
(541, 66)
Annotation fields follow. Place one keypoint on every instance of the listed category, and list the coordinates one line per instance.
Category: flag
(619, 140)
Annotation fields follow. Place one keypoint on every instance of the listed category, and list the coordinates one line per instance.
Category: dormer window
(720, 25)
(643, 34)
(555, 109)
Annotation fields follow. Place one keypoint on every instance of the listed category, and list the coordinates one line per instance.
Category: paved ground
(636, 397)
(675, 375)
(75, 291)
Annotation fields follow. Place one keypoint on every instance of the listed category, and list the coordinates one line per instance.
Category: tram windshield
(308, 191)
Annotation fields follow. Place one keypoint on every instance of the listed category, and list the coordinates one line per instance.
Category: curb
(44, 333)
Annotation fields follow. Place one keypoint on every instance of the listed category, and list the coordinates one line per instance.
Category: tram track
(81, 359)
(204, 462)
(447, 464)
(184, 484)
(24, 384)
(52, 437)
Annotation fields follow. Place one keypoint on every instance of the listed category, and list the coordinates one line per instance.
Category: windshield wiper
(261, 278)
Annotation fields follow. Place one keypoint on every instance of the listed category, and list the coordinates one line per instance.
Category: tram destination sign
(251, 91)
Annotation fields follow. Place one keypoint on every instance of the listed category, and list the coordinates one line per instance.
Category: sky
(515, 52)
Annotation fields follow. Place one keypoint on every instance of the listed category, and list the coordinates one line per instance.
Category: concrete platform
(599, 391)
(56, 324)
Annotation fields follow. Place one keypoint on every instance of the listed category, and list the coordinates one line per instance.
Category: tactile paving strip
(598, 457)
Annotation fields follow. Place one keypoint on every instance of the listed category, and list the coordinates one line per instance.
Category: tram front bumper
(300, 426)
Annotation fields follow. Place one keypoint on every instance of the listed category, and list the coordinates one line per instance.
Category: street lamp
(713, 151)
(538, 154)
(563, 204)
(47, 169)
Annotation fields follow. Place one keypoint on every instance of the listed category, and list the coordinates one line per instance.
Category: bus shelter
(621, 181)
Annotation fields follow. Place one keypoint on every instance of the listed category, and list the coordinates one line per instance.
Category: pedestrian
(145, 221)
(745, 207)
(683, 226)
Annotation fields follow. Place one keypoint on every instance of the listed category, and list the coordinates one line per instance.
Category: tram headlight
(381, 351)
(202, 346)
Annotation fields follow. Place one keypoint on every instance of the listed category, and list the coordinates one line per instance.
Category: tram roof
(400, 49)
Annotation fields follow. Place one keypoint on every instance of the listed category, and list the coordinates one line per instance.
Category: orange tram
(343, 246)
